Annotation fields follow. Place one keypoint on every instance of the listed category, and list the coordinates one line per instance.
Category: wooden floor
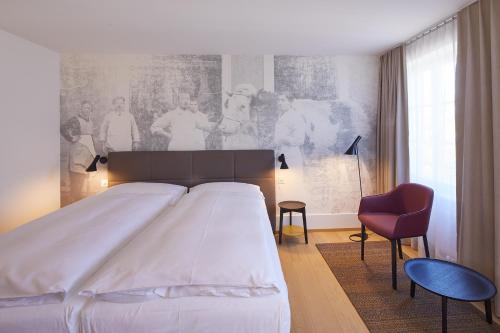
(318, 302)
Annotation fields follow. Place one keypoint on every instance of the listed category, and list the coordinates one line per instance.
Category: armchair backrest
(414, 197)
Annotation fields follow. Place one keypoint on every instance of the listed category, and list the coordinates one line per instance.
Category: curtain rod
(431, 29)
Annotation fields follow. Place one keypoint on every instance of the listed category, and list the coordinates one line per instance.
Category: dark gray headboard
(190, 168)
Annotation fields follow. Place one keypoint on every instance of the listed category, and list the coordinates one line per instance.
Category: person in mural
(290, 132)
(119, 130)
(185, 126)
(237, 126)
(78, 131)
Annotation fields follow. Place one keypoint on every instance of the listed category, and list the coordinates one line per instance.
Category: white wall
(29, 131)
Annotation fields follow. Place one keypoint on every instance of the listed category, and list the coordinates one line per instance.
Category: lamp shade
(281, 158)
(93, 166)
(353, 148)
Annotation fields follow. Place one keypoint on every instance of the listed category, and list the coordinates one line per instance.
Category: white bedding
(198, 314)
(47, 318)
(43, 260)
(267, 314)
(213, 243)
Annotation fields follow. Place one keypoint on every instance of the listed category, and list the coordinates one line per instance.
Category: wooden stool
(289, 207)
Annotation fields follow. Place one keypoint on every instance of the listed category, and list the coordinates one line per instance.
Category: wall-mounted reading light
(281, 159)
(93, 166)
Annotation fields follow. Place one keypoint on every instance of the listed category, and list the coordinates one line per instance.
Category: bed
(184, 313)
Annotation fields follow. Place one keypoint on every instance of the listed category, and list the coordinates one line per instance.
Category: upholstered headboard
(190, 168)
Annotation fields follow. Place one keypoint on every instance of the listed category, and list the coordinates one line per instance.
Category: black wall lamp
(281, 159)
(93, 166)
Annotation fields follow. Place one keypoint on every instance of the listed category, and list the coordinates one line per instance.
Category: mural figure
(119, 130)
(290, 132)
(185, 126)
(322, 127)
(238, 125)
(78, 132)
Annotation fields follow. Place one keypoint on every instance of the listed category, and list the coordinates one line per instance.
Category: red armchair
(402, 213)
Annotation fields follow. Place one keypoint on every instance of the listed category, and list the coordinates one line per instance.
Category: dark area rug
(368, 286)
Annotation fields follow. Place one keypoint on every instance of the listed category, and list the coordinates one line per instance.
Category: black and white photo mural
(309, 108)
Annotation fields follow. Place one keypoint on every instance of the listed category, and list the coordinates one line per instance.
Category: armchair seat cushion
(383, 224)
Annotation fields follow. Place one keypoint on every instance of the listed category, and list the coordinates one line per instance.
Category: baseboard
(324, 221)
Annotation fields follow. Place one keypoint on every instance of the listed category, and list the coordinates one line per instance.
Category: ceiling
(296, 27)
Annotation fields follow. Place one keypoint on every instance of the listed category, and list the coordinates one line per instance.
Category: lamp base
(358, 235)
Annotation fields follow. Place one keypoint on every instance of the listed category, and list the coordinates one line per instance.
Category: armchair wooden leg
(426, 246)
(363, 232)
(400, 249)
(393, 258)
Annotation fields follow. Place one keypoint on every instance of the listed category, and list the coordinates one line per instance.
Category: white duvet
(213, 243)
(41, 261)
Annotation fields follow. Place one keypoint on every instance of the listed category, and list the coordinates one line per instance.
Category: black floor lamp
(353, 150)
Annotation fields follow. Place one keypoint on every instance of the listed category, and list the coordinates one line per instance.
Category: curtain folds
(392, 125)
(431, 62)
(478, 138)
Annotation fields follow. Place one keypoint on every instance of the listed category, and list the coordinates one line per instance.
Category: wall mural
(309, 108)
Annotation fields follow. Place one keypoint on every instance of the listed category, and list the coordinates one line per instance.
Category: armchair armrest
(377, 203)
(413, 224)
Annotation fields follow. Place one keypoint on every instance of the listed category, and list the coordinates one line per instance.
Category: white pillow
(226, 187)
(175, 191)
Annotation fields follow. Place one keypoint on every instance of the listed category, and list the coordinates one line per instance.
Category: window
(430, 63)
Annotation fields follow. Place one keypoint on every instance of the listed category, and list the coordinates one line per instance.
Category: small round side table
(289, 207)
(450, 281)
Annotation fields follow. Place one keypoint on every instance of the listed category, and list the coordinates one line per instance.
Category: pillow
(175, 191)
(226, 187)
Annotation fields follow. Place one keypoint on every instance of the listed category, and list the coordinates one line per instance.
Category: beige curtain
(392, 126)
(478, 138)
